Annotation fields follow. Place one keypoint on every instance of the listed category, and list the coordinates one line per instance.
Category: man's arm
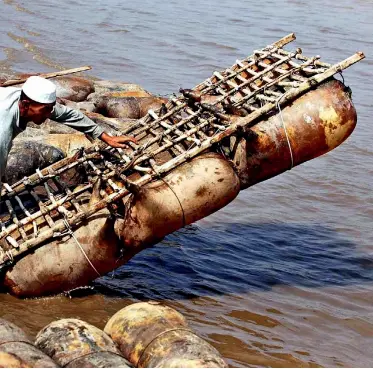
(77, 120)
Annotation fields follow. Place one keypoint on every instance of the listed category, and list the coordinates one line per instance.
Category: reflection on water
(246, 258)
(283, 275)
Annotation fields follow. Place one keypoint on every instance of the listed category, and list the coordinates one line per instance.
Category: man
(36, 102)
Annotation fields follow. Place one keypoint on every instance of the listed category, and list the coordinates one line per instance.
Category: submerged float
(141, 335)
(87, 214)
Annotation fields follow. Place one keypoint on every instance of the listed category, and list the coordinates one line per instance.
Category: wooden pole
(47, 75)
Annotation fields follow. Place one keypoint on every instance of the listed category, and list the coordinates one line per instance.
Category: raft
(262, 116)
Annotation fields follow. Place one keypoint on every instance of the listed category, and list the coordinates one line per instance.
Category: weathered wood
(47, 75)
(266, 52)
(209, 87)
(51, 171)
(43, 212)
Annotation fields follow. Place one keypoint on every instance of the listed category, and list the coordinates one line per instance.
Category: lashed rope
(286, 132)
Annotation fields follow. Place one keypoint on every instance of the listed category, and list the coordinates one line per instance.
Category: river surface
(283, 276)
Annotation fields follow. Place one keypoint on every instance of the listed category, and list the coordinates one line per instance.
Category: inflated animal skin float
(141, 335)
(264, 115)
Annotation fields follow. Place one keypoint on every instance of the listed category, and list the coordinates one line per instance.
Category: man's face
(38, 113)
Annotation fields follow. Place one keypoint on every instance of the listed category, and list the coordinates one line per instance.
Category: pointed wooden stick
(47, 75)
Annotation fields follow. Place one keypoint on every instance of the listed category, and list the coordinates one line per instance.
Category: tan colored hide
(73, 88)
(69, 143)
(111, 86)
(82, 105)
(117, 106)
(61, 265)
(114, 124)
(316, 123)
(193, 191)
(8, 360)
(157, 336)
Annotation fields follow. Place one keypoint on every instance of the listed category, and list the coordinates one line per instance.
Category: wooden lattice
(40, 207)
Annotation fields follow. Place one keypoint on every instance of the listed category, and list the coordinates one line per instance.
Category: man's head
(38, 98)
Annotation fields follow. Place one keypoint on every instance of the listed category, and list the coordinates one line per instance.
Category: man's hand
(117, 141)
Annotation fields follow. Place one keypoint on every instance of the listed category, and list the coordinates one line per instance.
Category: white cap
(40, 90)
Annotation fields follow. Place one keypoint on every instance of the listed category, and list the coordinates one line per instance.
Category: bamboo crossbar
(255, 77)
(251, 94)
(276, 45)
(247, 66)
(273, 82)
(266, 52)
(33, 180)
(304, 58)
(231, 92)
(187, 129)
(39, 213)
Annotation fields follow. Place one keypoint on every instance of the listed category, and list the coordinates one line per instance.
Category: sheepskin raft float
(264, 115)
